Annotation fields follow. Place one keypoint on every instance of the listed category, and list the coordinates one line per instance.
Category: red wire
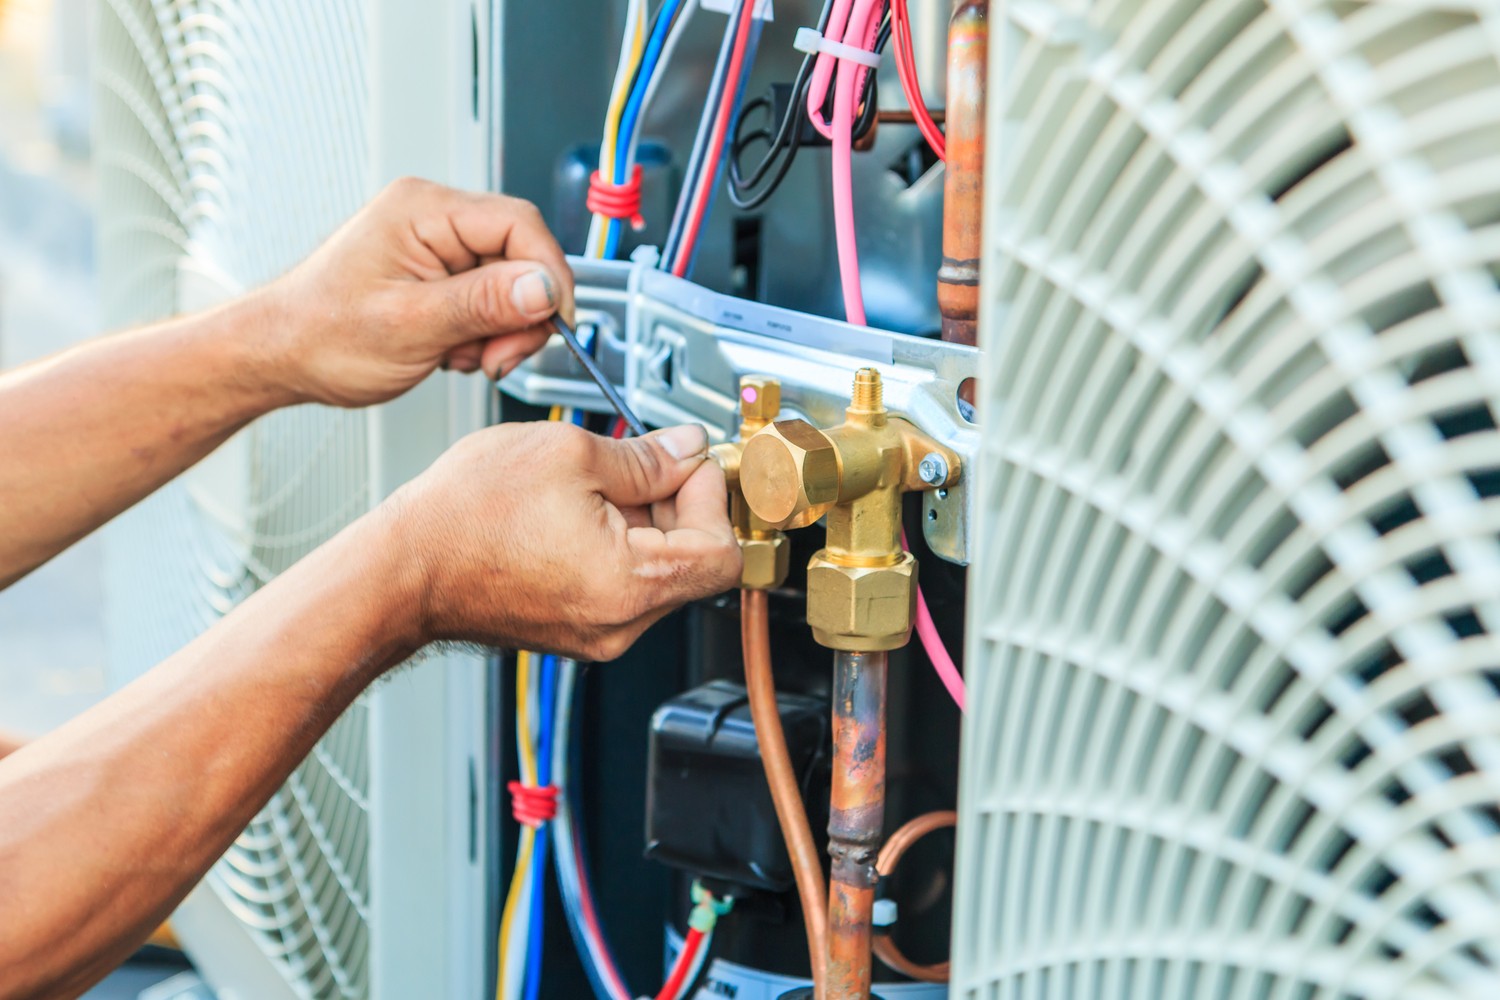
(618, 430)
(906, 66)
(675, 982)
(591, 918)
(716, 145)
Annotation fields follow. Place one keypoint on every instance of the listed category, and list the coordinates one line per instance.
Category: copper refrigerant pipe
(755, 638)
(890, 856)
(963, 185)
(855, 818)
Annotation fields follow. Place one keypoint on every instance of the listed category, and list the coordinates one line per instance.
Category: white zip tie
(811, 41)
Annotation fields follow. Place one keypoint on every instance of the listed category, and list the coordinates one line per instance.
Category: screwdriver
(592, 367)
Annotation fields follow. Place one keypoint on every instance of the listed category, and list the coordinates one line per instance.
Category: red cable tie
(617, 201)
(532, 805)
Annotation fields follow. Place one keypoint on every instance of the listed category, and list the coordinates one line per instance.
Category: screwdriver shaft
(597, 374)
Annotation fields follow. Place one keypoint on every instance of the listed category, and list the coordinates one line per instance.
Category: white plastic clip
(811, 41)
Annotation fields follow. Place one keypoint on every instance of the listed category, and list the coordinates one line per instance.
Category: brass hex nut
(861, 607)
(789, 473)
(767, 561)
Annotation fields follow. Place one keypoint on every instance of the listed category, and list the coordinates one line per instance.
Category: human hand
(544, 536)
(422, 276)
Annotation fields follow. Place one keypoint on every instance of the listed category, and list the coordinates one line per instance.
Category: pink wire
(860, 28)
(861, 31)
(947, 671)
(822, 73)
(932, 644)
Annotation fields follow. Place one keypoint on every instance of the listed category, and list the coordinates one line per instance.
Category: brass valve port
(764, 549)
(862, 587)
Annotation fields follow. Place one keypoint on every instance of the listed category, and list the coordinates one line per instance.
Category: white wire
(569, 878)
(635, 26)
(520, 935)
(698, 962)
(668, 47)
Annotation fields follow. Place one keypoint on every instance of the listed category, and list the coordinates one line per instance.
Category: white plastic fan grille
(1235, 723)
(230, 140)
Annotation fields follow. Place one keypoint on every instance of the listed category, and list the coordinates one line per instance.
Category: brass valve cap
(861, 608)
(766, 562)
(790, 474)
(760, 399)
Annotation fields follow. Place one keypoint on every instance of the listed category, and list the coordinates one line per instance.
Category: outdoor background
(51, 623)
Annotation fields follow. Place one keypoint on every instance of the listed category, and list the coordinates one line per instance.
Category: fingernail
(683, 442)
(533, 295)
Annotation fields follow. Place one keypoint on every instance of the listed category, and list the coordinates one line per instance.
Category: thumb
(637, 471)
(498, 298)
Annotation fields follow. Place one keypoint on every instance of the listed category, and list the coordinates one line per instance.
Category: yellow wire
(518, 880)
(607, 148)
(520, 877)
(527, 753)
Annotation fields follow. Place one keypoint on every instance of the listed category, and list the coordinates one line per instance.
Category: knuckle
(407, 188)
(524, 211)
(574, 446)
(613, 645)
(487, 303)
(647, 465)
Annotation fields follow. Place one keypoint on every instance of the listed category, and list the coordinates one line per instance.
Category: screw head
(933, 469)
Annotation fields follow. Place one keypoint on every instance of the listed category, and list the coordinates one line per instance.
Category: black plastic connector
(708, 808)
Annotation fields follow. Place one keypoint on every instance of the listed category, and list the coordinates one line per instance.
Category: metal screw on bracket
(933, 469)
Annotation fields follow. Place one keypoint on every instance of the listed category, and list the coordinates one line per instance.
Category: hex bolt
(933, 469)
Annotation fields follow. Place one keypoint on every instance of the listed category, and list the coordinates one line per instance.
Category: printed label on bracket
(762, 7)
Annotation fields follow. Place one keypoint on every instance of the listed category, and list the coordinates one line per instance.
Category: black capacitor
(708, 807)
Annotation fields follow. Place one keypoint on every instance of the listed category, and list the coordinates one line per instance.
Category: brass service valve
(765, 549)
(861, 588)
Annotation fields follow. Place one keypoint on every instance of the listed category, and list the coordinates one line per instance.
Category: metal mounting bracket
(679, 350)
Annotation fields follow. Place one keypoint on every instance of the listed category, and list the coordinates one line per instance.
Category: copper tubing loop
(755, 638)
(890, 856)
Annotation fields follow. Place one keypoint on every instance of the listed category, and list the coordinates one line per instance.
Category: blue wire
(752, 46)
(546, 699)
(705, 128)
(578, 418)
(630, 117)
(571, 793)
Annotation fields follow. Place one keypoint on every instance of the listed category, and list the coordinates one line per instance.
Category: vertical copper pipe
(786, 794)
(856, 818)
(963, 185)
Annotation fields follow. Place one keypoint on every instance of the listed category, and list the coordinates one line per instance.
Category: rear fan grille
(232, 134)
(1236, 707)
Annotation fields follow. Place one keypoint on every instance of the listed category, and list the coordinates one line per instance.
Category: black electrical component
(708, 808)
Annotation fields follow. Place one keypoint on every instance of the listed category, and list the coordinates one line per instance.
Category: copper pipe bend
(890, 856)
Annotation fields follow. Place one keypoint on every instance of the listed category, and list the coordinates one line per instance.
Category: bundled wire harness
(731, 71)
(545, 803)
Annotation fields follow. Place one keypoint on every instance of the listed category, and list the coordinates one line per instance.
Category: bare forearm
(107, 822)
(88, 432)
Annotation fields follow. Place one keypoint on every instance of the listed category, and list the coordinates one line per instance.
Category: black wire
(787, 140)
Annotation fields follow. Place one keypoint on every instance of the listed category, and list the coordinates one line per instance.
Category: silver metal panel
(679, 349)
